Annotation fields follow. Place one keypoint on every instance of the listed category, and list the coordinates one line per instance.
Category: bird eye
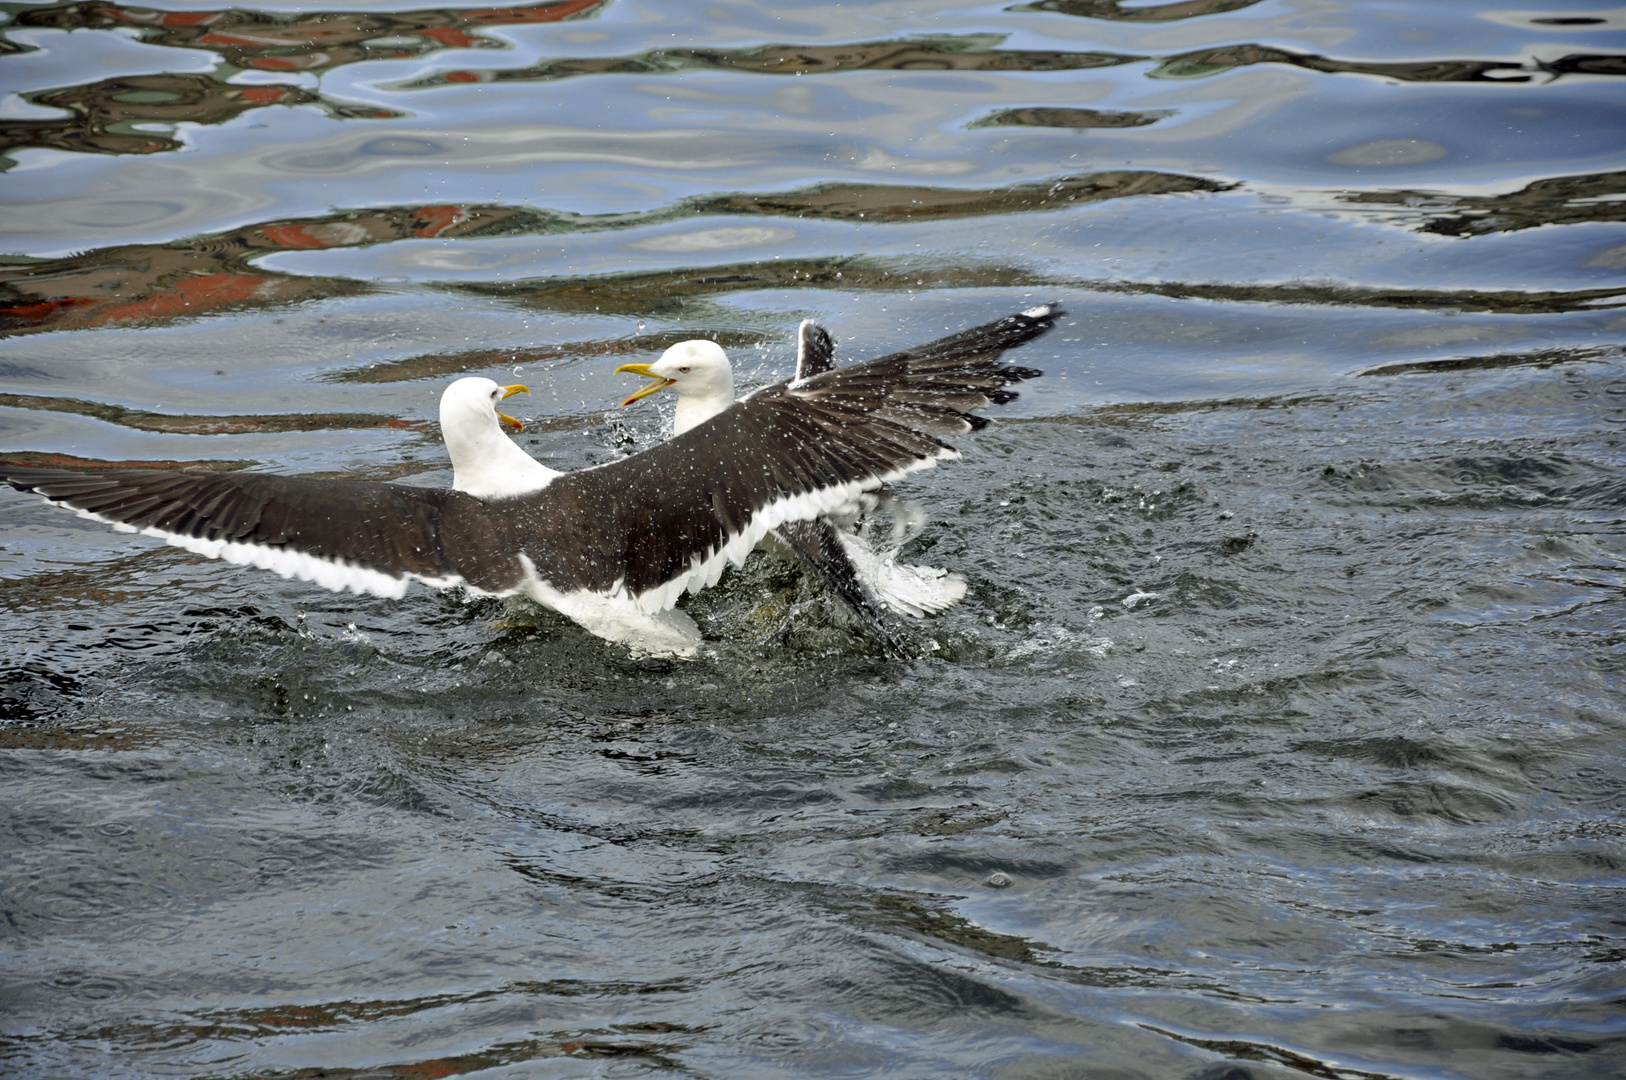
(494, 395)
(684, 370)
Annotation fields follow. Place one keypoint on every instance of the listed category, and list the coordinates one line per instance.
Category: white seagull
(613, 546)
(700, 374)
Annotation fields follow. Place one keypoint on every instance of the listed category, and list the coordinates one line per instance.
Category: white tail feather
(917, 591)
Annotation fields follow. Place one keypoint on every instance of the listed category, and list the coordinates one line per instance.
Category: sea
(1281, 730)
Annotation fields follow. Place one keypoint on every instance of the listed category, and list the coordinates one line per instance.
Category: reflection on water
(107, 115)
(1069, 118)
(979, 53)
(142, 420)
(968, 53)
(127, 115)
(104, 114)
(1138, 12)
(183, 279)
(310, 41)
(1278, 734)
(1557, 200)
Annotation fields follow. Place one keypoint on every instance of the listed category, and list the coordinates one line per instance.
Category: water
(1278, 736)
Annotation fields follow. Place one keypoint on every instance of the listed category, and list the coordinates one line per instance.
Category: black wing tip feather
(1027, 324)
(35, 478)
(966, 365)
(1008, 333)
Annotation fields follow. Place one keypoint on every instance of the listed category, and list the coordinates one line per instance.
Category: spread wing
(931, 387)
(670, 518)
(354, 534)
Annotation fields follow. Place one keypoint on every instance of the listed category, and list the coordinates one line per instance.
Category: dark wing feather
(644, 520)
(934, 387)
(648, 519)
(815, 350)
(393, 529)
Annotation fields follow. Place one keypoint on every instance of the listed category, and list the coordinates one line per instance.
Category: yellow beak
(508, 392)
(661, 382)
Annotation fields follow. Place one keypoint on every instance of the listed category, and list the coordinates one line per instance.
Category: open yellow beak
(508, 392)
(660, 383)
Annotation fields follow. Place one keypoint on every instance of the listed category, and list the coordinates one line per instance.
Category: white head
(485, 461)
(701, 374)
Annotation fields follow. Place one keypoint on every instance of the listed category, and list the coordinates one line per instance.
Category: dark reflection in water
(142, 420)
(1069, 118)
(1541, 359)
(976, 53)
(1207, 62)
(667, 292)
(897, 203)
(312, 41)
(103, 112)
(1507, 301)
(653, 1044)
(183, 279)
(1139, 12)
(1586, 65)
(1558, 200)
(149, 283)
(186, 278)
(980, 53)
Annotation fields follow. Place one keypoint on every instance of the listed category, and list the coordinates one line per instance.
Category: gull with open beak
(485, 462)
(831, 545)
(702, 375)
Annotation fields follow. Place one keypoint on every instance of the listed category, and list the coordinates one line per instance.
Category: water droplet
(517, 370)
(999, 879)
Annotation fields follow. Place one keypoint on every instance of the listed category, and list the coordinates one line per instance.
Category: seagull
(613, 546)
(700, 374)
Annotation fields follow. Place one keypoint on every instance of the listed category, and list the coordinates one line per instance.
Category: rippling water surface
(1281, 731)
